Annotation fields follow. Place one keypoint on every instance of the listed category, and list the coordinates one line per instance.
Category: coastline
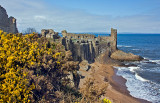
(119, 84)
(116, 91)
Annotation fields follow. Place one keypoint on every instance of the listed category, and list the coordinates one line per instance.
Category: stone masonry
(7, 24)
(49, 33)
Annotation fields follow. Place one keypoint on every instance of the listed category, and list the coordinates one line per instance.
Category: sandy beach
(116, 91)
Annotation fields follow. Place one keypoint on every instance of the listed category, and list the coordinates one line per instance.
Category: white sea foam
(119, 45)
(138, 86)
(121, 68)
(146, 58)
(140, 78)
(155, 61)
(132, 69)
(128, 46)
(124, 46)
(135, 49)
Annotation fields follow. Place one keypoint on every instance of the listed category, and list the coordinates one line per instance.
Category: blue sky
(136, 16)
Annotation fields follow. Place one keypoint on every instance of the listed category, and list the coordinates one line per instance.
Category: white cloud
(37, 14)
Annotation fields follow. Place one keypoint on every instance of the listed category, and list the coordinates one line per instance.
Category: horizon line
(117, 32)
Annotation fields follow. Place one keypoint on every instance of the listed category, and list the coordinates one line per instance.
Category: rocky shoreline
(116, 91)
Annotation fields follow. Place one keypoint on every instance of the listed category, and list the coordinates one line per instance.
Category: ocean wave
(121, 68)
(140, 78)
(135, 49)
(132, 69)
(146, 58)
(155, 61)
(124, 46)
(142, 88)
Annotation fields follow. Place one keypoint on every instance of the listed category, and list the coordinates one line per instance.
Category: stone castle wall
(7, 24)
(77, 36)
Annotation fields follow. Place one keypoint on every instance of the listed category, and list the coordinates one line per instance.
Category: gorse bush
(32, 68)
(14, 85)
(91, 92)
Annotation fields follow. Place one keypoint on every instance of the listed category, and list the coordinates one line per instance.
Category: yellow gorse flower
(56, 54)
(106, 100)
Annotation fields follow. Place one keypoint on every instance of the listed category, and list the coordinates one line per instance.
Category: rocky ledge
(122, 56)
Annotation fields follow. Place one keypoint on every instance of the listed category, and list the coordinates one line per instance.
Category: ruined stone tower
(12, 25)
(7, 24)
(114, 39)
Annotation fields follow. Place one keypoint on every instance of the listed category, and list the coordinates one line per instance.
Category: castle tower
(3, 20)
(114, 39)
(12, 25)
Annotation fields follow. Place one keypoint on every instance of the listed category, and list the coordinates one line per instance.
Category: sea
(143, 77)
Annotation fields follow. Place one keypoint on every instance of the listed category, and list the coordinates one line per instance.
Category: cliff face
(7, 24)
(88, 47)
(81, 50)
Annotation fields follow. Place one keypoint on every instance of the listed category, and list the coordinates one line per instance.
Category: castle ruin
(7, 24)
(87, 46)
